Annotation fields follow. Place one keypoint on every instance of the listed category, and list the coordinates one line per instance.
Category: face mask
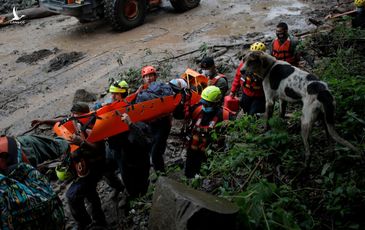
(207, 73)
(207, 109)
(281, 36)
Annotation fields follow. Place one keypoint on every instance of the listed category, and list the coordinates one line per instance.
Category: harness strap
(78, 117)
(248, 81)
(216, 78)
(197, 112)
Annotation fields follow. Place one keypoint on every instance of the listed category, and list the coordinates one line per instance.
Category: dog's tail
(328, 103)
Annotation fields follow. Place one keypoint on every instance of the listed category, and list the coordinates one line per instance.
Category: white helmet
(179, 83)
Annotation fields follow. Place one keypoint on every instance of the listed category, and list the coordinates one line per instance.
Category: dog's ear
(252, 58)
(255, 55)
(266, 61)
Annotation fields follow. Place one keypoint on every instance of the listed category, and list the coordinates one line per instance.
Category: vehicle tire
(184, 5)
(125, 14)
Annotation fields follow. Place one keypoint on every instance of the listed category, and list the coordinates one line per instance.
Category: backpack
(154, 90)
(27, 200)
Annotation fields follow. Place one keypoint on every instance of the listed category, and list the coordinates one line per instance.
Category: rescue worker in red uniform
(253, 98)
(160, 127)
(204, 117)
(284, 46)
(209, 70)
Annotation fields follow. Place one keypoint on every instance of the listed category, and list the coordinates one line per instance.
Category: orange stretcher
(108, 123)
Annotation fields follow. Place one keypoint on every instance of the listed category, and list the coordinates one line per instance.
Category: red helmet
(148, 70)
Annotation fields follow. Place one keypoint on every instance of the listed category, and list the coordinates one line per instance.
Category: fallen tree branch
(311, 32)
(248, 180)
(330, 16)
(31, 13)
(209, 47)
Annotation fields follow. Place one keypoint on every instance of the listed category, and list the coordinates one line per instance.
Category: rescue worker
(253, 98)
(359, 19)
(77, 109)
(35, 149)
(160, 127)
(209, 69)
(38, 149)
(87, 161)
(204, 117)
(134, 157)
(90, 165)
(118, 90)
(283, 47)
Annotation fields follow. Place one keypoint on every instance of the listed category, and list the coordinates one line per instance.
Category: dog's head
(257, 62)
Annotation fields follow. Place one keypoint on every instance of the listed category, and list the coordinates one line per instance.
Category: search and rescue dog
(290, 84)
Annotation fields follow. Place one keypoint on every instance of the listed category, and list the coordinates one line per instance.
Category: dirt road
(37, 90)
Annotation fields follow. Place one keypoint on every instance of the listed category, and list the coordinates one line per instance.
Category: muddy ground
(44, 62)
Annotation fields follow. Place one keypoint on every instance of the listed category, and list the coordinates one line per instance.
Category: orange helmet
(148, 70)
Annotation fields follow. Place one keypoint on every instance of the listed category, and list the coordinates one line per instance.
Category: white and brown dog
(290, 84)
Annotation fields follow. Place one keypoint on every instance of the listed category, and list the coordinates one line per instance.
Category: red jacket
(250, 87)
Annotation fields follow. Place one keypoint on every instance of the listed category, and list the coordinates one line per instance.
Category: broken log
(330, 16)
(31, 13)
(226, 46)
(310, 33)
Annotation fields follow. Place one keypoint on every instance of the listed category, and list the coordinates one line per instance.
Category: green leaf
(325, 168)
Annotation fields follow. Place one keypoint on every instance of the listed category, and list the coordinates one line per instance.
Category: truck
(121, 14)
